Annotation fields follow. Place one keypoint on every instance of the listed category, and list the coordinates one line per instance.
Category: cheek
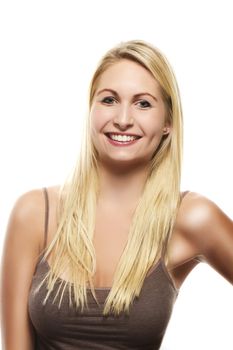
(98, 119)
(154, 127)
(158, 123)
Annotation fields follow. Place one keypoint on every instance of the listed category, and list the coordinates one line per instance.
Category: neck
(121, 186)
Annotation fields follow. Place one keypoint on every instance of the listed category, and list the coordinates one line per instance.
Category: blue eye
(108, 100)
(144, 104)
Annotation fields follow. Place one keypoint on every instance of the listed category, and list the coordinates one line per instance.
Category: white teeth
(122, 138)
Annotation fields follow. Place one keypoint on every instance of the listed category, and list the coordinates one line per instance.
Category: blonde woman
(98, 263)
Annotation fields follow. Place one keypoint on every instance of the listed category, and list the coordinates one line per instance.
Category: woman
(98, 264)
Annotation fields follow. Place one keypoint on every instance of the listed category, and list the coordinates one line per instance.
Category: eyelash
(144, 101)
(107, 98)
(104, 100)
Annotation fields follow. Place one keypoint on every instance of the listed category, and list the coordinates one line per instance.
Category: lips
(108, 134)
(122, 140)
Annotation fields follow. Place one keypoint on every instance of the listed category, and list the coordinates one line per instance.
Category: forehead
(127, 74)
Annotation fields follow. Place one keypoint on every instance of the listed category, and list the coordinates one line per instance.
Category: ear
(166, 130)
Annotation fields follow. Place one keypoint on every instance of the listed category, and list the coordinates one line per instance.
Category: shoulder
(209, 232)
(200, 219)
(196, 211)
(28, 204)
(27, 217)
(21, 251)
(32, 203)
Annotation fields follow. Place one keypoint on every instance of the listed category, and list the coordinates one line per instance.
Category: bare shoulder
(21, 251)
(201, 221)
(192, 213)
(26, 221)
(28, 204)
(196, 210)
(202, 232)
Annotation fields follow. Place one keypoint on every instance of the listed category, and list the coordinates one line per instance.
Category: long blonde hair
(156, 211)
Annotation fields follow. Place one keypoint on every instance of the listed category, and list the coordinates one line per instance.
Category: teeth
(122, 138)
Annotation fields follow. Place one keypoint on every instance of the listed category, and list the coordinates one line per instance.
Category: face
(128, 115)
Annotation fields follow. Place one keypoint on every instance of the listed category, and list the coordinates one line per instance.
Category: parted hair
(156, 211)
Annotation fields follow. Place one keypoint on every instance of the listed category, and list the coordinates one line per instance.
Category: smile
(122, 140)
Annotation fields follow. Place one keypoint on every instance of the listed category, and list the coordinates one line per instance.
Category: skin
(202, 231)
(122, 104)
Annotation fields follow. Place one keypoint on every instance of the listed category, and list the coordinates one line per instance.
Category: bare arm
(20, 253)
(210, 231)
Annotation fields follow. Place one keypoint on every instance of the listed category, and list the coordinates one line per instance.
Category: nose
(123, 118)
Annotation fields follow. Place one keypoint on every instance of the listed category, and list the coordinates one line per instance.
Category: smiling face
(128, 115)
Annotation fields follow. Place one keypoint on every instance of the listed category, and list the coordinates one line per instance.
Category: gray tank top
(68, 329)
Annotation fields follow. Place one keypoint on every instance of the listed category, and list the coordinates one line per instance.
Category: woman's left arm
(211, 231)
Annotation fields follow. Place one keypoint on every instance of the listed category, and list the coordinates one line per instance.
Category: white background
(49, 50)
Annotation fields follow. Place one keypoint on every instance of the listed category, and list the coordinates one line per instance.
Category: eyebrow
(116, 94)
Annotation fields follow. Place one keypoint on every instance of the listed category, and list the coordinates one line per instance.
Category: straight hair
(156, 211)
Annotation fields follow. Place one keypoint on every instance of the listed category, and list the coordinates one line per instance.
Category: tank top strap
(183, 194)
(46, 216)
